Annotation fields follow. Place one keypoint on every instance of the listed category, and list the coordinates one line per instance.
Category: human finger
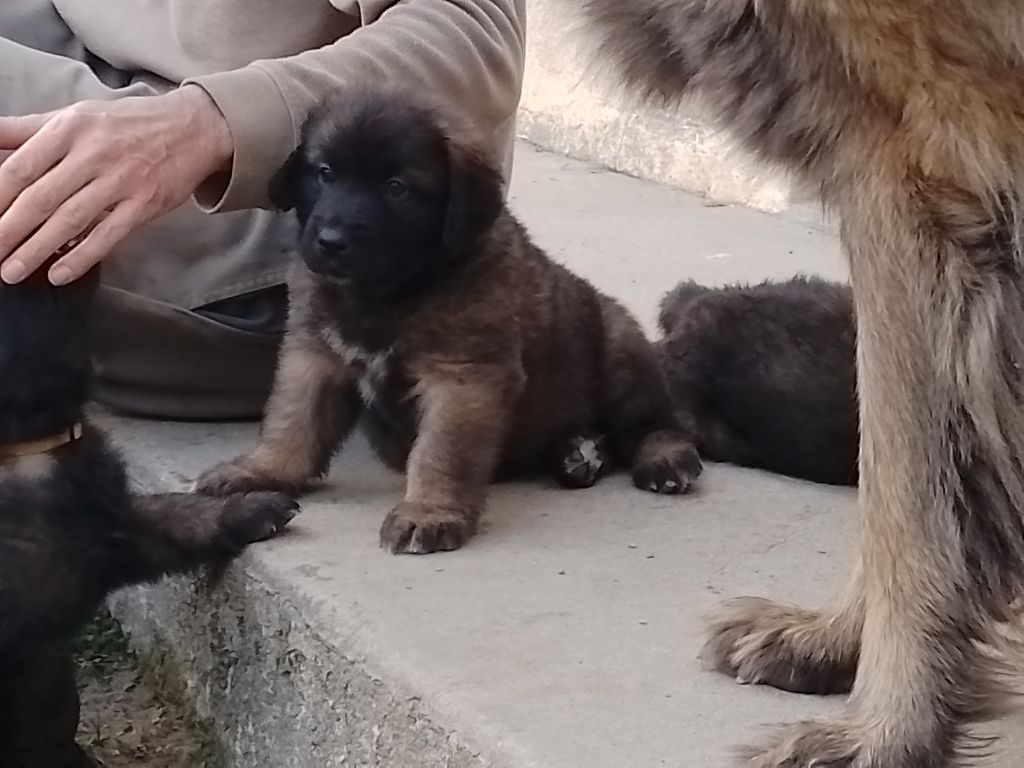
(100, 241)
(29, 163)
(16, 130)
(73, 218)
(37, 208)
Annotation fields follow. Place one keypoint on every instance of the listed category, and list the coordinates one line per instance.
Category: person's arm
(125, 162)
(469, 50)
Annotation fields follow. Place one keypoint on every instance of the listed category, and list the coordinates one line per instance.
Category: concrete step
(566, 634)
(571, 106)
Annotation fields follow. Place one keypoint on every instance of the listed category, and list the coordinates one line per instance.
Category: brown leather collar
(42, 445)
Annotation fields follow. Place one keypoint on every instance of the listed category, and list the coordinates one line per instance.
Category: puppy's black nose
(332, 240)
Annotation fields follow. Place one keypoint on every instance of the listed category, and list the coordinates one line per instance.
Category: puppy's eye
(396, 189)
(324, 174)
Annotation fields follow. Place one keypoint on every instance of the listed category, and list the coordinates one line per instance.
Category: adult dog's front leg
(942, 490)
(465, 410)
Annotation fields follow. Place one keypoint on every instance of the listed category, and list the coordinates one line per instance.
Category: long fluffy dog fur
(908, 116)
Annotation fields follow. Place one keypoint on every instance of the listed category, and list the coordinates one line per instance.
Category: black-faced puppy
(70, 530)
(421, 304)
(765, 375)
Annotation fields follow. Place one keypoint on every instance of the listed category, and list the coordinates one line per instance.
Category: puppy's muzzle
(328, 250)
(333, 242)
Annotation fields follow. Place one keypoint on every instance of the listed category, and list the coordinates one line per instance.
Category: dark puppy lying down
(70, 531)
(423, 307)
(765, 376)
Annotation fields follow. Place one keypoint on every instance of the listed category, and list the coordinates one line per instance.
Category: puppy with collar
(421, 306)
(71, 532)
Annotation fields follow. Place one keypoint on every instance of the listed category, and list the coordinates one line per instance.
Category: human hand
(82, 178)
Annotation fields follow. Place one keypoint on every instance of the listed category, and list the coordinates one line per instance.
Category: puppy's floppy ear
(676, 302)
(286, 183)
(475, 195)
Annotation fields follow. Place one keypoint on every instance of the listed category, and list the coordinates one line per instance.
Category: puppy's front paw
(418, 529)
(242, 476)
(257, 516)
(666, 463)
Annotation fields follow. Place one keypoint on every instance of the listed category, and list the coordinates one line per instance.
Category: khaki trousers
(175, 332)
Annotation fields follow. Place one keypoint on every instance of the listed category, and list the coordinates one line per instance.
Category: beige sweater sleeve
(471, 50)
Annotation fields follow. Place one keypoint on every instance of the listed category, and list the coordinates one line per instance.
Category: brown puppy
(909, 116)
(423, 306)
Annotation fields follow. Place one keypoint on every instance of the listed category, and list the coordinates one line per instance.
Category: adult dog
(909, 117)
(421, 305)
(70, 530)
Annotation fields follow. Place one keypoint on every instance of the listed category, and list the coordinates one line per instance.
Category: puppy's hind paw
(666, 463)
(582, 460)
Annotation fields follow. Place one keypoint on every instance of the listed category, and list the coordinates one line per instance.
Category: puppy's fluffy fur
(70, 530)
(765, 376)
(422, 306)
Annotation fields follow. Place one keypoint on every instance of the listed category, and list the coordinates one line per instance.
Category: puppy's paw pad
(257, 516)
(417, 529)
(583, 462)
